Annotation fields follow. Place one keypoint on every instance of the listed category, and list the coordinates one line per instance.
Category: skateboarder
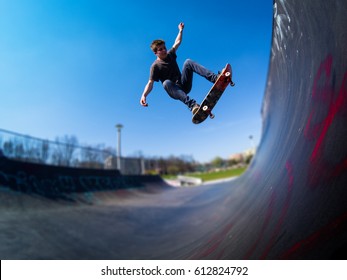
(166, 70)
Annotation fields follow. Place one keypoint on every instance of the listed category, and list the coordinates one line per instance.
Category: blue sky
(79, 67)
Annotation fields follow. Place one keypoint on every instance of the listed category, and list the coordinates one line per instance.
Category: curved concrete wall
(299, 175)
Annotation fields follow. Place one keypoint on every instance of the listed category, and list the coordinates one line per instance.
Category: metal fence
(69, 153)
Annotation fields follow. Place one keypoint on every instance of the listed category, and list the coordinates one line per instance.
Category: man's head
(159, 48)
(157, 44)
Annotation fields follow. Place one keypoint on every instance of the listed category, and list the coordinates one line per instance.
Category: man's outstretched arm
(146, 91)
(178, 40)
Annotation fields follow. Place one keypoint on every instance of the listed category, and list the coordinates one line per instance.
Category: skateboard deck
(212, 97)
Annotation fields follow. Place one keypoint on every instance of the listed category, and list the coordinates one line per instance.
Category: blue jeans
(179, 90)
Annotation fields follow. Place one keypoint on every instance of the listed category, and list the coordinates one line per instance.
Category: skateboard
(212, 97)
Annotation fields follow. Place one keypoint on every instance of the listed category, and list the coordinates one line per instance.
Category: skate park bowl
(291, 203)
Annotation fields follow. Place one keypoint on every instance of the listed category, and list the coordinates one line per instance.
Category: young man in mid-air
(166, 70)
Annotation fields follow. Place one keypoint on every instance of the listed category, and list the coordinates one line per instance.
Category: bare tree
(64, 154)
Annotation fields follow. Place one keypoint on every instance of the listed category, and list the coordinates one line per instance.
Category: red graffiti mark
(323, 97)
(333, 110)
(340, 168)
(213, 244)
(325, 233)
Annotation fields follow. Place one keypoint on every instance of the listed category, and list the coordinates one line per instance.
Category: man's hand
(178, 40)
(181, 26)
(143, 101)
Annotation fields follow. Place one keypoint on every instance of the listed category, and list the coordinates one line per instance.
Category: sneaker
(216, 76)
(195, 108)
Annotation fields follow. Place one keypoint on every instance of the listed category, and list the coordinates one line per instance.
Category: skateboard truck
(227, 74)
(206, 109)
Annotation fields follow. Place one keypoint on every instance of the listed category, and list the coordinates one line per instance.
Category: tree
(66, 147)
(217, 162)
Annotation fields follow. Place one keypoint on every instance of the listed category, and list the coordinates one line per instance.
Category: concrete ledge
(189, 181)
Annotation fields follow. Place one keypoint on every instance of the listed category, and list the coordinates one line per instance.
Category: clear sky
(79, 67)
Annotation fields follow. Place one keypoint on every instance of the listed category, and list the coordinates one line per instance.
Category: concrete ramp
(290, 204)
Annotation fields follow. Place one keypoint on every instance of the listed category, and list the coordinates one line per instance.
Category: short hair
(156, 43)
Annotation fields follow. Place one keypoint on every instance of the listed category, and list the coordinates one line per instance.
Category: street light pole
(252, 143)
(119, 127)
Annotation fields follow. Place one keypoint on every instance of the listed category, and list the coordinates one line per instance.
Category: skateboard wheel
(227, 74)
(212, 116)
(205, 108)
